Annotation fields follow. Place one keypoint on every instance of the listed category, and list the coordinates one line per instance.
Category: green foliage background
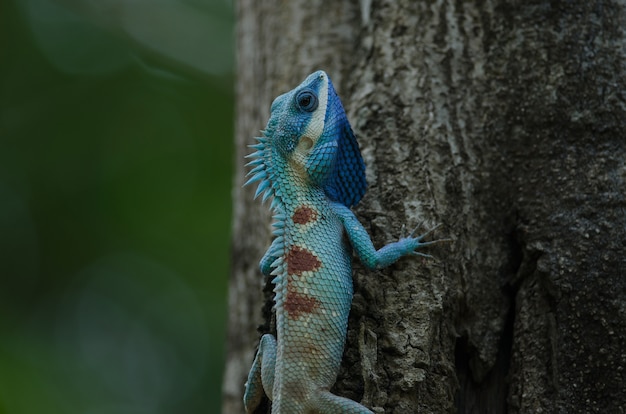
(115, 176)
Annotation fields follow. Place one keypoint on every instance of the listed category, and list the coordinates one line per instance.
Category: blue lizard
(309, 162)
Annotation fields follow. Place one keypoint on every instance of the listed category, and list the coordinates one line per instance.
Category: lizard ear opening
(305, 144)
(347, 185)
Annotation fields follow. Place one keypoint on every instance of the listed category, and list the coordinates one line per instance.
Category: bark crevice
(488, 392)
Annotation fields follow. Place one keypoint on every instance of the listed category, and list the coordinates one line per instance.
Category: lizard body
(308, 160)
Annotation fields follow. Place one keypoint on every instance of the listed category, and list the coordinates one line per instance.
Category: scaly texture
(308, 160)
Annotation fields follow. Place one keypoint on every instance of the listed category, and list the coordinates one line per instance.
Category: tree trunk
(505, 121)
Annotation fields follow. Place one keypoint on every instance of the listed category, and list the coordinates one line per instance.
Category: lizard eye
(306, 100)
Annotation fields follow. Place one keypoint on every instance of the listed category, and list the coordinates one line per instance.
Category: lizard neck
(293, 189)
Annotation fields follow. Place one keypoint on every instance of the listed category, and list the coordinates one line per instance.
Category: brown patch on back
(304, 215)
(296, 304)
(301, 260)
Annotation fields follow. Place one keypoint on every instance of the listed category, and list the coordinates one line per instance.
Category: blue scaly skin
(308, 160)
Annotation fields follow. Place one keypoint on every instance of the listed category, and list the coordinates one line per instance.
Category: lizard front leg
(364, 248)
(261, 376)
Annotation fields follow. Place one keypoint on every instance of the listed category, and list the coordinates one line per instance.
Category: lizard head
(308, 135)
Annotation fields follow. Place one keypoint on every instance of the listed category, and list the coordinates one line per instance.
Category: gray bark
(505, 122)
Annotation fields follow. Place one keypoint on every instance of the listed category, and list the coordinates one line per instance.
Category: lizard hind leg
(326, 402)
(261, 376)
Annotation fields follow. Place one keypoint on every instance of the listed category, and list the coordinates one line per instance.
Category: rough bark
(505, 122)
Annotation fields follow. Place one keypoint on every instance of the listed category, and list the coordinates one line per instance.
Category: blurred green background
(115, 173)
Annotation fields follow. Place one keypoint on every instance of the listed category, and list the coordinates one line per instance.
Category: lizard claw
(414, 253)
(421, 236)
